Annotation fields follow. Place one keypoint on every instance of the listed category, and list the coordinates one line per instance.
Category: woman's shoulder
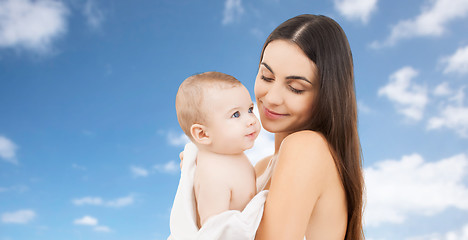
(305, 139)
(306, 148)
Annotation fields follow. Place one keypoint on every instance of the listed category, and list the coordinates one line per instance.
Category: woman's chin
(272, 128)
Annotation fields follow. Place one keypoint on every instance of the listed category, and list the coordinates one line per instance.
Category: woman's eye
(251, 110)
(267, 79)
(236, 115)
(294, 90)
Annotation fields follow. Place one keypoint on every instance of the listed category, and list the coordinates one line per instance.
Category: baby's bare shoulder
(210, 168)
(209, 177)
(218, 169)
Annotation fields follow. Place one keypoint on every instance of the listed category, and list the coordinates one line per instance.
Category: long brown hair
(335, 113)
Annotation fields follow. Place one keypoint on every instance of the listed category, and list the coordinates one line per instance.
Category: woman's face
(286, 87)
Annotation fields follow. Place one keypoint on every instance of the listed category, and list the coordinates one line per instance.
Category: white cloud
(102, 229)
(121, 202)
(362, 107)
(451, 117)
(432, 21)
(20, 188)
(398, 188)
(356, 9)
(88, 133)
(169, 167)
(453, 114)
(31, 25)
(79, 167)
(88, 201)
(93, 14)
(16, 188)
(458, 62)
(97, 201)
(86, 220)
(177, 139)
(8, 150)
(259, 34)
(460, 234)
(233, 10)
(264, 144)
(409, 98)
(20, 217)
(92, 222)
(442, 89)
(458, 97)
(139, 171)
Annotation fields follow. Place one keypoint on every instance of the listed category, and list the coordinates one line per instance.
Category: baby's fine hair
(190, 97)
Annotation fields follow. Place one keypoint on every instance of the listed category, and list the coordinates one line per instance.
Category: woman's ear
(199, 134)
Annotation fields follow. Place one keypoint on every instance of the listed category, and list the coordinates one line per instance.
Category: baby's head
(216, 112)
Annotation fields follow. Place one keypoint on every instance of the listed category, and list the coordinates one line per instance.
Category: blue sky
(89, 140)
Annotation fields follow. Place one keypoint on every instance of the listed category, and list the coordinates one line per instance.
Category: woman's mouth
(272, 115)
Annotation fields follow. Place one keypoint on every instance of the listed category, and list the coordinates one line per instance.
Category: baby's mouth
(251, 135)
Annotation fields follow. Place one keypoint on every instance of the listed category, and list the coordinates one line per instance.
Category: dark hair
(335, 113)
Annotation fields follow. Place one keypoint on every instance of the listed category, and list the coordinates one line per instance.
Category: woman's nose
(273, 95)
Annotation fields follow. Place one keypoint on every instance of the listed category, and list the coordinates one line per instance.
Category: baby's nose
(251, 121)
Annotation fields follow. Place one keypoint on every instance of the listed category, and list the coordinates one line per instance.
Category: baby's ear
(199, 134)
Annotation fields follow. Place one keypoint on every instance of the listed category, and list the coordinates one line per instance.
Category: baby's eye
(236, 115)
(251, 110)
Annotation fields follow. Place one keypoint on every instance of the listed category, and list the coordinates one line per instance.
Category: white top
(263, 179)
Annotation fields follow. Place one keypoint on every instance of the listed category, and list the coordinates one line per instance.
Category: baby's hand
(181, 156)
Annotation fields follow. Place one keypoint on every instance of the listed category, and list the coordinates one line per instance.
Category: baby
(216, 112)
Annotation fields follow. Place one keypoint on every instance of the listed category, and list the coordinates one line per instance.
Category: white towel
(227, 225)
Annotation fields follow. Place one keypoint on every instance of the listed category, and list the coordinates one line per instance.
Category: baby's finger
(181, 156)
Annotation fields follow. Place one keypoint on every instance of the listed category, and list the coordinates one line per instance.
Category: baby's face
(231, 123)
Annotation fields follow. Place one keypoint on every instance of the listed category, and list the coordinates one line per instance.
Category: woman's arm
(304, 161)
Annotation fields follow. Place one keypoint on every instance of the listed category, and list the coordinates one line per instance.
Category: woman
(305, 94)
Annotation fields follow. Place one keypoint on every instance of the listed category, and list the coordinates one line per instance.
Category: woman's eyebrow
(289, 77)
(268, 67)
(300, 78)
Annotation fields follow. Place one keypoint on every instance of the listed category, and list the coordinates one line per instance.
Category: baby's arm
(212, 192)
